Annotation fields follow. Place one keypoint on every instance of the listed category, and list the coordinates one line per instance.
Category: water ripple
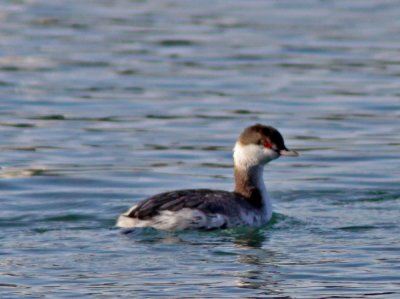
(104, 104)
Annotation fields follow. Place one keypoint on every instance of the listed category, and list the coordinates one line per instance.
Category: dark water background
(103, 103)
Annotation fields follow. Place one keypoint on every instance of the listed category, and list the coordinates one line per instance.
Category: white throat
(249, 169)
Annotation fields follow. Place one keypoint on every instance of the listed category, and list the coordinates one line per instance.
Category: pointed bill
(288, 153)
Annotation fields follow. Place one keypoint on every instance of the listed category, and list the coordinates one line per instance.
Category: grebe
(248, 205)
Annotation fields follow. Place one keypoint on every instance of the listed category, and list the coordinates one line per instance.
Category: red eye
(267, 144)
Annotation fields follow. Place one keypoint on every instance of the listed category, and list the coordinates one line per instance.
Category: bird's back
(190, 208)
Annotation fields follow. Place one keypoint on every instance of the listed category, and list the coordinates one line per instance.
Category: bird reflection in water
(262, 272)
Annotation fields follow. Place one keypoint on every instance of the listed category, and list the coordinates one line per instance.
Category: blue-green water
(103, 103)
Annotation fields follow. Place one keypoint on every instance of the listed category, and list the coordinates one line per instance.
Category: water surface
(106, 102)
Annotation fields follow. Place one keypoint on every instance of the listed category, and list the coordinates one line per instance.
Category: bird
(206, 209)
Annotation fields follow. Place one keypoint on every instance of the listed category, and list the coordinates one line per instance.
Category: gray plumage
(205, 200)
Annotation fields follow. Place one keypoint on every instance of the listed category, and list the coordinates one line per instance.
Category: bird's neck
(250, 184)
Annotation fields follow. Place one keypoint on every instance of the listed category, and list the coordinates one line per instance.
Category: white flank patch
(171, 220)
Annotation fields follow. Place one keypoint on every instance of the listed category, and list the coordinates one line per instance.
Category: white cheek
(251, 155)
(270, 154)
